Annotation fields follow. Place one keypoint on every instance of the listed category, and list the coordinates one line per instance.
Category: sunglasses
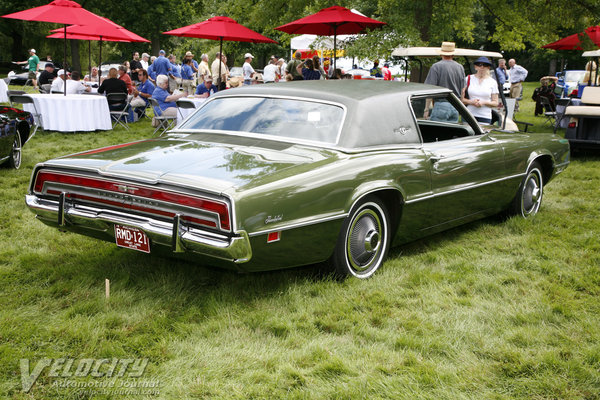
(481, 65)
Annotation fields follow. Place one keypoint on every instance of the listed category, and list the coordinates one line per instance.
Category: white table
(3, 90)
(71, 113)
(183, 113)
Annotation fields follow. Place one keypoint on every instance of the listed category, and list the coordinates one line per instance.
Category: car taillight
(213, 206)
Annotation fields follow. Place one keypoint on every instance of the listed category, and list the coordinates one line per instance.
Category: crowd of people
(163, 78)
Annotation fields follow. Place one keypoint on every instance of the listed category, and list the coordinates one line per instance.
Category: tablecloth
(3, 90)
(71, 113)
(183, 113)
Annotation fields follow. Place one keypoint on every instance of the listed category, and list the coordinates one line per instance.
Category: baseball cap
(49, 65)
(61, 72)
(248, 55)
(32, 50)
(161, 52)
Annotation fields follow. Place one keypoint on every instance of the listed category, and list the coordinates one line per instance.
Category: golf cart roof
(593, 53)
(435, 52)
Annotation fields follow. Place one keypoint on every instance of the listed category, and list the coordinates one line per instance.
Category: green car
(274, 176)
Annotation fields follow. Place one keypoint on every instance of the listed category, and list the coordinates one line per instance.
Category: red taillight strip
(203, 204)
(103, 149)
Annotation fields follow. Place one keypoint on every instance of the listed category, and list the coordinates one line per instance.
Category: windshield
(574, 76)
(284, 118)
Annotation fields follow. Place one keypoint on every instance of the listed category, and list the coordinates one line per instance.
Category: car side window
(439, 118)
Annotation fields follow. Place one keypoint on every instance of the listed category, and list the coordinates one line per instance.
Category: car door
(6, 137)
(466, 165)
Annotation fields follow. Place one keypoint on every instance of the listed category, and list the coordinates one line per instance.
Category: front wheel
(529, 196)
(363, 241)
(15, 156)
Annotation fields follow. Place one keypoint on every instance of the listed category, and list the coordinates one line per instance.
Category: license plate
(132, 238)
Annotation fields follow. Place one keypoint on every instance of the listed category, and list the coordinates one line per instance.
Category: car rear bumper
(99, 222)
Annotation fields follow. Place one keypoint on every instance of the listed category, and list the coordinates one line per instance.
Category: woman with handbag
(480, 94)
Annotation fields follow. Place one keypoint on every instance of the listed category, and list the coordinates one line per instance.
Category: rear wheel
(15, 156)
(529, 196)
(363, 241)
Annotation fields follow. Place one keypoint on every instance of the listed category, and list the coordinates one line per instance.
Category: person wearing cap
(480, 93)
(247, 69)
(161, 66)
(144, 61)
(387, 74)
(58, 84)
(190, 56)
(135, 65)
(376, 71)
(47, 75)
(206, 88)
(449, 74)
(32, 63)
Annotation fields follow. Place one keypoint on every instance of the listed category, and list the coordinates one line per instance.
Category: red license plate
(132, 238)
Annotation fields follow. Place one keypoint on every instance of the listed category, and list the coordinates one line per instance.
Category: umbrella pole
(220, 62)
(100, 65)
(65, 62)
(90, 57)
(334, 47)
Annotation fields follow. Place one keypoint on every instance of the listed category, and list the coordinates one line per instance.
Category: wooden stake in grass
(107, 285)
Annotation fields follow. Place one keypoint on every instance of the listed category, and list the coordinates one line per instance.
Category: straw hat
(447, 48)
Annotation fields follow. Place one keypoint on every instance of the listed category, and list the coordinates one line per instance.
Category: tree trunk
(155, 43)
(552, 70)
(75, 61)
(423, 21)
(17, 52)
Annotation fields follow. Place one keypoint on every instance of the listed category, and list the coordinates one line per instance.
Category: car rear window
(280, 117)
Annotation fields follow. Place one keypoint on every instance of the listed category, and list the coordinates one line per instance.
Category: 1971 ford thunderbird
(274, 176)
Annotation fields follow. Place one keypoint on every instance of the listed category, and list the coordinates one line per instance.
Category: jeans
(443, 111)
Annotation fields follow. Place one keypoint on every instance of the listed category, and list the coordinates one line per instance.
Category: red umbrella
(65, 12)
(220, 28)
(573, 42)
(331, 21)
(107, 31)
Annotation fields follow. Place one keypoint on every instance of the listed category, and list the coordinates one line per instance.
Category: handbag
(467, 88)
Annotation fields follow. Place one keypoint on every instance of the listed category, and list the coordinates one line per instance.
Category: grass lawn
(497, 309)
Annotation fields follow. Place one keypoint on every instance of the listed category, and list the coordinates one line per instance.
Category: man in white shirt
(247, 69)
(58, 84)
(215, 70)
(270, 72)
(75, 86)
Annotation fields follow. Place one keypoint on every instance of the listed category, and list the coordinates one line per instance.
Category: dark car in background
(15, 126)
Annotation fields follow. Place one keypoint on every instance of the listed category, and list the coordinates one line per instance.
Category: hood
(200, 161)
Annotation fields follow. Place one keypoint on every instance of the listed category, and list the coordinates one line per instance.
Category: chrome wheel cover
(531, 195)
(16, 152)
(366, 240)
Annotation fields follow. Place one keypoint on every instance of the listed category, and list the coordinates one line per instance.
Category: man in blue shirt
(162, 66)
(376, 71)
(206, 88)
(501, 71)
(142, 93)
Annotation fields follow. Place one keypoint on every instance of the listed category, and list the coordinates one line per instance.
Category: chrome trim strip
(287, 227)
(271, 137)
(431, 196)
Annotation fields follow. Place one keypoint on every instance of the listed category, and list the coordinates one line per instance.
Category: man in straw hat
(449, 74)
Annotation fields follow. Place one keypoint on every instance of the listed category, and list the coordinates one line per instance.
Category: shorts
(32, 75)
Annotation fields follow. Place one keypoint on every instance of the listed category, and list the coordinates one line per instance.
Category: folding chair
(25, 99)
(560, 113)
(165, 122)
(9, 92)
(28, 82)
(117, 115)
(549, 110)
(45, 88)
(184, 104)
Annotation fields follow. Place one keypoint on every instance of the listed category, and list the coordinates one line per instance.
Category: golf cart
(409, 54)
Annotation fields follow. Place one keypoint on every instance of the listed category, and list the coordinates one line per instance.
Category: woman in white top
(481, 92)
